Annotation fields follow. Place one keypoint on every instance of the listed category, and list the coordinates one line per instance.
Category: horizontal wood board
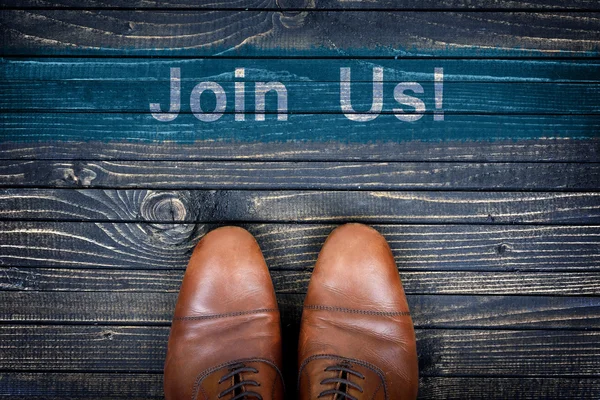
(274, 33)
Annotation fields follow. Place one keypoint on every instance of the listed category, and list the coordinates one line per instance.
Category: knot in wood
(290, 17)
(165, 211)
(164, 207)
(75, 176)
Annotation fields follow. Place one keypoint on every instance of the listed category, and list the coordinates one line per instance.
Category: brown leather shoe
(225, 340)
(356, 337)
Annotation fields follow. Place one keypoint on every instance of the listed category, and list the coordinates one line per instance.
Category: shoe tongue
(237, 378)
(341, 386)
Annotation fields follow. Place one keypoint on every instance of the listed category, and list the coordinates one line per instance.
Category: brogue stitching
(307, 378)
(353, 360)
(200, 377)
(231, 314)
(355, 311)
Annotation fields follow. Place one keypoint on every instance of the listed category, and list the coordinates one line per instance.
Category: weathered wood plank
(428, 311)
(199, 33)
(442, 351)
(203, 206)
(414, 282)
(511, 388)
(102, 126)
(547, 150)
(507, 352)
(298, 5)
(80, 386)
(273, 176)
(60, 386)
(295, 247)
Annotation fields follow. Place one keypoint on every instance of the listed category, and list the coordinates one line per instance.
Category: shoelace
(342, 383)
(238, 387)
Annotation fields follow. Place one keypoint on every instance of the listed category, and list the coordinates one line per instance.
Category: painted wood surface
(45, 126)
(313, 85)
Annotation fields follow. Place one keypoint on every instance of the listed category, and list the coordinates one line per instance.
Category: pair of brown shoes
(356, 338)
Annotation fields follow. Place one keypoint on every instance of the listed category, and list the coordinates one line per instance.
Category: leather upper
(356, 317)
(226, 321)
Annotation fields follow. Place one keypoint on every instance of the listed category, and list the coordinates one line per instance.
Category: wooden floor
(493, 214)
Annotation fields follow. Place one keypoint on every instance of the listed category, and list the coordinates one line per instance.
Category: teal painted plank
(521, 99)
(303, 97)
(324, 33)
(151, 70)
(313, 127)
(488, 86)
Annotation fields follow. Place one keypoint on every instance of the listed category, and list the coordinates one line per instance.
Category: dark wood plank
(295, 247)
(277, 175)
(547, 150)
(186, 129)
(76, 385)
(547, 353)
(80, 386)
(61, 385)
(508, 388)
(428, 311)
(195, 206)
(332, 33)
(415, 282)
(441, 351)
(298, 5)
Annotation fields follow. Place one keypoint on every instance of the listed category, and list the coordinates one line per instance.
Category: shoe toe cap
(226, 274)
(356, 269)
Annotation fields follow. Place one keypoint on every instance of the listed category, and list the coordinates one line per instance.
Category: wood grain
(155, 71)
(77, 385)
(84, 126)
(428, 311)
(299, 5)
(330, 33)
(280, 175)
(441, 351)
(80, 386)
(539, 150)
(295, 247)
(414, 282)
(294, 206)
(503, 388)
(476, 86)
